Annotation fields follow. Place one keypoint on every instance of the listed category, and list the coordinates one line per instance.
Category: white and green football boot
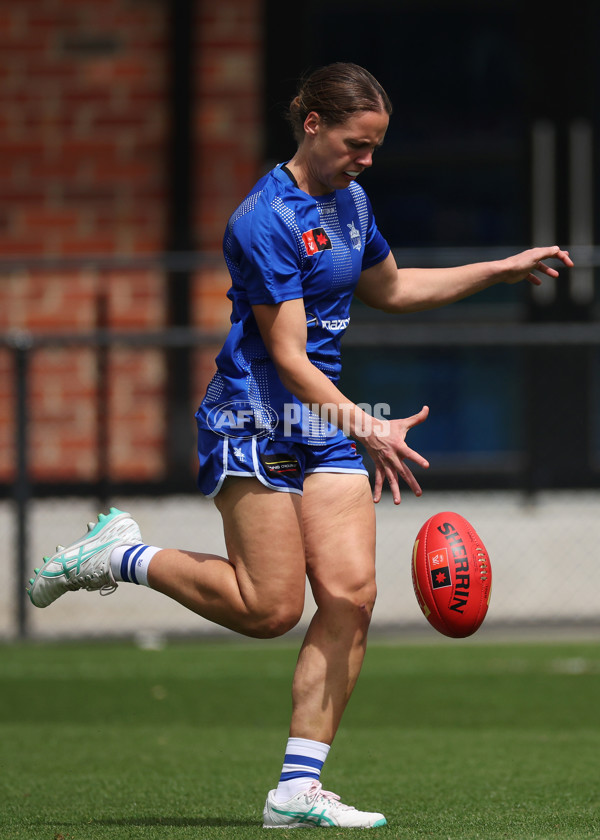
(317, 808)
(85, 564)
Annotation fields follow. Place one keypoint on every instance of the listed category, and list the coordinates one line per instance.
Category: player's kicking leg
(258, 590)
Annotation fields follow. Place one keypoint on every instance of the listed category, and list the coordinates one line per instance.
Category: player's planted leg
(341, 569)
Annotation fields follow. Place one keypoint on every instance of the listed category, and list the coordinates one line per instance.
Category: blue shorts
(279, 465)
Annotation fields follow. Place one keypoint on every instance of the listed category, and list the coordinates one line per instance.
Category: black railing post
(183, 57)
(22, 344)
(103, 415)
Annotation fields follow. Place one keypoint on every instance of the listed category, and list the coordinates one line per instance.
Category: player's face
(340, 153)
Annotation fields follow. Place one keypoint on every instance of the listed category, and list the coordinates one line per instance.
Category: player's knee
(277, 621)
(364, 599)
(361, 590)
(356, 600)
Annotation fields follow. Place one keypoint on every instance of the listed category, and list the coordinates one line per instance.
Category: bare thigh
(339, 532)
(265, 545)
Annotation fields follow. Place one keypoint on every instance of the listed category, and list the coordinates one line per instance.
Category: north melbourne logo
(355, 237)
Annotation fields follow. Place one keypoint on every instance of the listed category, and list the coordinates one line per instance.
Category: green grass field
(455, 740)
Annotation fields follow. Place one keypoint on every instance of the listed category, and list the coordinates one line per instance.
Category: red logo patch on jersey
(316, 240)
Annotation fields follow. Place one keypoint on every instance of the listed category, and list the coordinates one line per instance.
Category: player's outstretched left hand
(521, 266)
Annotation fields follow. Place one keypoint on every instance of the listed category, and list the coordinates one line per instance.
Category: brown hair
(335, 92)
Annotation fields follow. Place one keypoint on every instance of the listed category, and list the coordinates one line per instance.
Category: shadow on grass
(146, 822)
(179, 822)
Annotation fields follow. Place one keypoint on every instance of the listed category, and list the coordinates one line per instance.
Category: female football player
(276, 435)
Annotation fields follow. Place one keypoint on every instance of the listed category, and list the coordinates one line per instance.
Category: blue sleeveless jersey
(283, 244)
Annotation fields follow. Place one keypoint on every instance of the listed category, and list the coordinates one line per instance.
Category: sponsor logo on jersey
(331, 324)
(316, 240)
(335, 324)
(280, 464)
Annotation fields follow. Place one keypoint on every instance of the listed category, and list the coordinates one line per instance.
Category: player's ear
(312, 123)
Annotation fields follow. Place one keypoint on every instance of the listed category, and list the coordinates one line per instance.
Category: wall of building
(84, 144)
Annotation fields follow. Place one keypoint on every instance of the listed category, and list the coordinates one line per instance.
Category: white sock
(129, 563)
(301, 765)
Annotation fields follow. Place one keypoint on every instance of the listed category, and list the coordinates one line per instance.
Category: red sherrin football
(452, 575)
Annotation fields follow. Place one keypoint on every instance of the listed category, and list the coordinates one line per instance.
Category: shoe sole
(378, 824)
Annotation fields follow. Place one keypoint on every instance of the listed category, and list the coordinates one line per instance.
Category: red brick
(91, 148)
(19, 247)
(111, 196)
(44, 218)
(106, 243)
(48, 170)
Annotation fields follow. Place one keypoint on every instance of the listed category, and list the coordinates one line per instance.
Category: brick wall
(83, 163)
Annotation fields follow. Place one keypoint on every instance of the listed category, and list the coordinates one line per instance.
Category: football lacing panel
(482, 559)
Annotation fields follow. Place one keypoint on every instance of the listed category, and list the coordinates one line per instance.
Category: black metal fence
(557, 365)
(555, 455)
